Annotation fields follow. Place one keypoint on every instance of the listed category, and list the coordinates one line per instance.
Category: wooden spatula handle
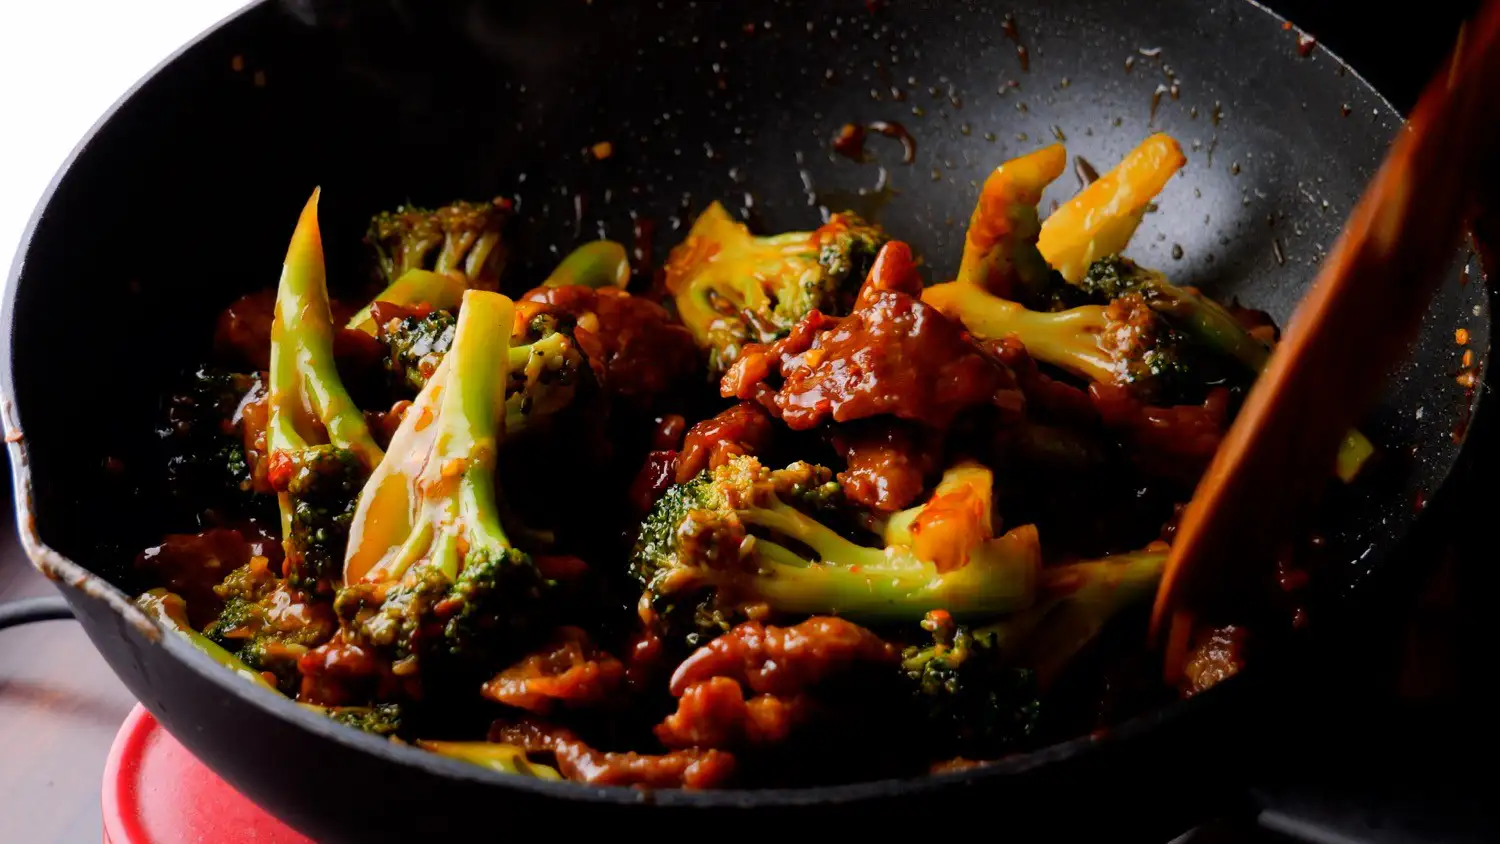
(1350, 331)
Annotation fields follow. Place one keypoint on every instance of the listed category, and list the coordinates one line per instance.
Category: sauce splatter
(1305, 44)
(1129, 63)
(643, 236)
(1085, 171)
(891, 129)
(1008, 26)
(1156, 101)
(1345, 110)
(850, 142)
(1025, 58)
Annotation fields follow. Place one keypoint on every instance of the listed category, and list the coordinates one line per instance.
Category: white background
(62, 64)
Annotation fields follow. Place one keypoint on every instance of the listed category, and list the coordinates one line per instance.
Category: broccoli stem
(1213, 325)
(533, 360)
(442, 460)
(416, 287)
(170, 610)
(501, 758)
(308, 402)
(1000, 251)
(602, 263)
(893, 585)
(1067, 339)
(466, 251)
(1081, 599)
(830, 547)
(1100, 220)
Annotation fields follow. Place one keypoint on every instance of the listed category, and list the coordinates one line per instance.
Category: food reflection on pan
(724, 529)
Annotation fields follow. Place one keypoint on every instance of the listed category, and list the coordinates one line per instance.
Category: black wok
(182, 198)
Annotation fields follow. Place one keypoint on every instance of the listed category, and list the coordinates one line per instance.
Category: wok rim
(81, 584)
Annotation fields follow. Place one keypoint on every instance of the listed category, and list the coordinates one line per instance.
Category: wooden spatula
(1355, 324)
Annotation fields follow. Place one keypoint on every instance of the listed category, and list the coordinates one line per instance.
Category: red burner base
(155, 792)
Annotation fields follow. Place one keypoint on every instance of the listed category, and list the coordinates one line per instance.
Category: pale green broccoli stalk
(602, 263)
(320, 449)
(500, 758)
(752, 536)
(170, 611)
(427, 549)
(978, 687)
(438, 291)
(1067, 339)
(382, 719)
(1000, 251)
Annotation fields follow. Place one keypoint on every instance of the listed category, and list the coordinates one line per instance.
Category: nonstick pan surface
(180, 199)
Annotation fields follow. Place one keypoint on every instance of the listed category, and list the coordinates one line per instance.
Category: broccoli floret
(319, 446)
(461, 238)
(170, 611)
(979, 688)
(416, 345)
(847, 246)
(382, 719)
(1067, 339)
(1197, 316)
(430, 569)
(1126, 342)
(744, 536)
(1207, 324)
(733, 288)
(268, 624)
(207, 465)
(546, 363)
(970, 696)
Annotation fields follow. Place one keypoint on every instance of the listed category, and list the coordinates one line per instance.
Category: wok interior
(173, 209)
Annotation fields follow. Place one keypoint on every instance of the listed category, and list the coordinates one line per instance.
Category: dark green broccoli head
(847, 249)
(429, 615)
(203, 442)
(546, 363)
(462, 238)
(415, 345)
(497, 597)
(1160, 364)
(322, 485)
(1113, 276)
(267, 624)
(382, 719)
(657, 543)
(971, 697)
